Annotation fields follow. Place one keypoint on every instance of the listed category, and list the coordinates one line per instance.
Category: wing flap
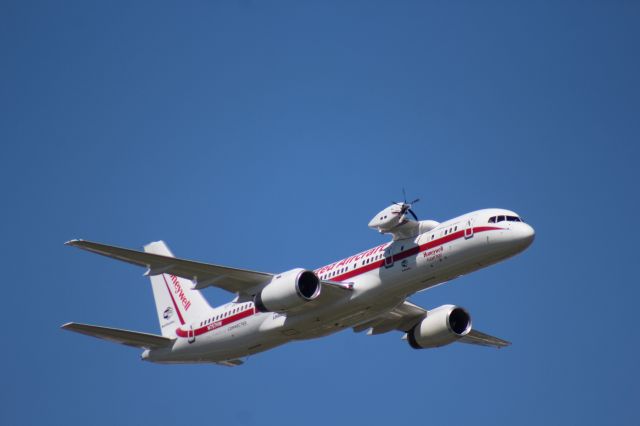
(202, 274)
(117, 335)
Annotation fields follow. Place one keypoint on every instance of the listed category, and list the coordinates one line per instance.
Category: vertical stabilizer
(176, 302)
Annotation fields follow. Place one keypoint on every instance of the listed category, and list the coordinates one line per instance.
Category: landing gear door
(468, 229)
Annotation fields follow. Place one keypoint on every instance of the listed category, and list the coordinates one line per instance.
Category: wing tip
(74, 242)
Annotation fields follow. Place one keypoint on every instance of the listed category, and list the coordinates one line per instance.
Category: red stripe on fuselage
(410, 252)
(216, 324)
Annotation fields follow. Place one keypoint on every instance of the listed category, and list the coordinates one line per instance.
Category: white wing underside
(403, 317)
(406, 315)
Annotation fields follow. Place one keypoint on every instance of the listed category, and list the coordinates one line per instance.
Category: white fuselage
(382, 278)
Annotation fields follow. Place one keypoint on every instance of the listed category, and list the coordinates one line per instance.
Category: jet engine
(288, 290)
(442, 326)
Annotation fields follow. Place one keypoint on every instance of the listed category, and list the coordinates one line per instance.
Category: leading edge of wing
(202, 274)
(476, 337)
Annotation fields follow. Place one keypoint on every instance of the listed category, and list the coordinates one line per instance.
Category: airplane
(366, 291)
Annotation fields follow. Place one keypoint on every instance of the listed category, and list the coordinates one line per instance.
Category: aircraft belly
(235, 341)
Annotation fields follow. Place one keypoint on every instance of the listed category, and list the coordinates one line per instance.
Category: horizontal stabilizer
(476, 337)
(124, 337)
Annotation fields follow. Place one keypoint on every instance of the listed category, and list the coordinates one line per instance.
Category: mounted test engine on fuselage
(394, 220)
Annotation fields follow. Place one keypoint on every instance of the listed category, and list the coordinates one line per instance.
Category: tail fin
(176, 302)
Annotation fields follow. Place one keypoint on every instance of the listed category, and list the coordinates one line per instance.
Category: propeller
(406, 207)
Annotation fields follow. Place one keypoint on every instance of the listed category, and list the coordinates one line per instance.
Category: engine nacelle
(442, 326)
(387, 219)
(288, 290)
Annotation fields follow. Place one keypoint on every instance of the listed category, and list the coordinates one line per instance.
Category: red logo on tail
(177, 289)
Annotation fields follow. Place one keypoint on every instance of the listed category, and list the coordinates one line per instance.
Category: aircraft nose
(526, 234)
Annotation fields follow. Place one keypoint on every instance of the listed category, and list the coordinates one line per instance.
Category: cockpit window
(495, 219)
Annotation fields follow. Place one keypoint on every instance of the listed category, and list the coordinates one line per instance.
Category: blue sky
(265, 135)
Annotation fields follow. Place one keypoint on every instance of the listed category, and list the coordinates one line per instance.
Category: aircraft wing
(240, 281)
(406, 315)
(124, 337)
(202, 274)
(403, 317)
